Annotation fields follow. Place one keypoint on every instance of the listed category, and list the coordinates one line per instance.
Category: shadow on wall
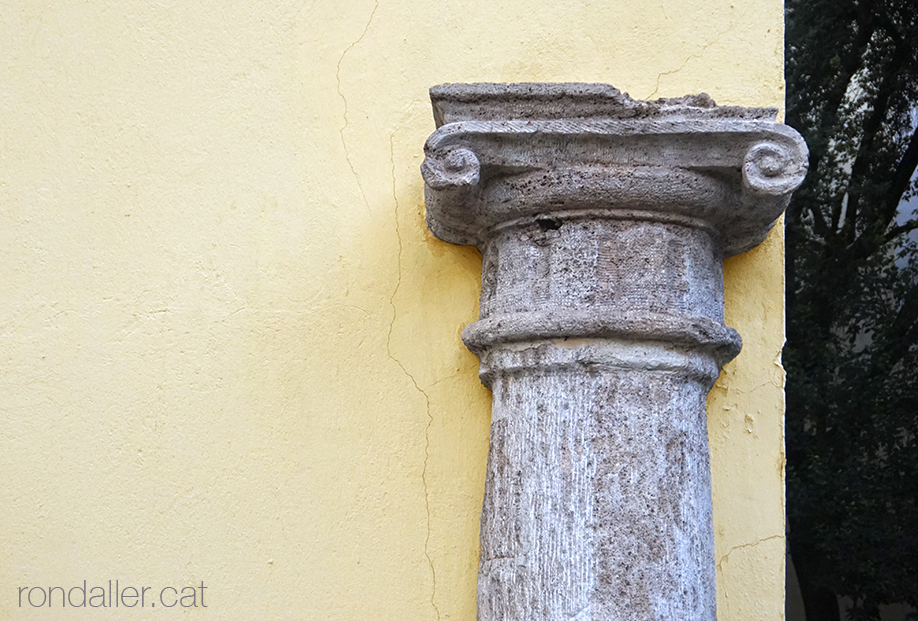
(794, 602)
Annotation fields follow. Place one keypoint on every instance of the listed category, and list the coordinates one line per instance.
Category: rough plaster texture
(229, 348)
(603, 223)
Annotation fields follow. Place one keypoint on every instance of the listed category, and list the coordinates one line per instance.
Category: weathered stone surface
(497, 159)
(603, 223)
(597, 483)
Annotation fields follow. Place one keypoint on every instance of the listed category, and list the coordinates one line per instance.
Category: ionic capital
(506, 152)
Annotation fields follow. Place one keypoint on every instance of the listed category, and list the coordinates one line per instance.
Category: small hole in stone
(548, 224)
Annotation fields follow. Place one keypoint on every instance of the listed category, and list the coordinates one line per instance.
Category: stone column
(603, 223)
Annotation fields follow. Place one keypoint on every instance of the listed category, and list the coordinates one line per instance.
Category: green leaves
(852, 282)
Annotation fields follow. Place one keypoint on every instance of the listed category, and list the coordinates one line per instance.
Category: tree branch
(901, 179)
(902, 229)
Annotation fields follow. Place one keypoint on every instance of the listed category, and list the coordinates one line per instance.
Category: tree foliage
(852, 289)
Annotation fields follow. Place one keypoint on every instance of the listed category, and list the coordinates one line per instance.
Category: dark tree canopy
(852, 294)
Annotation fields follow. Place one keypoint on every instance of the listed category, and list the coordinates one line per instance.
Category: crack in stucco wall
(347, 153)
(751, 544)
(696, 56)
(398, 284)
(395, 291)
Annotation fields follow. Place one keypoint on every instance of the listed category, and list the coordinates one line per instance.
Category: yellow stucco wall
(230, 350)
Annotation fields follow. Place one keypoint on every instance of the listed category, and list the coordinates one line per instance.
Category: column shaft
(597, 499)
